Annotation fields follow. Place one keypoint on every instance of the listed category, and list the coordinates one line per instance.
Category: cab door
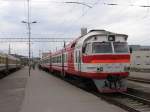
(79, 60)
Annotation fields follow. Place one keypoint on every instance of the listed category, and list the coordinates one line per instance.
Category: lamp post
(29, 40)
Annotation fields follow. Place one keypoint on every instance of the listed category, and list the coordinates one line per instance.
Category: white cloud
(54, 17)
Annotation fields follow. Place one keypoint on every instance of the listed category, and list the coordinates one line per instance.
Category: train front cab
(104, 58)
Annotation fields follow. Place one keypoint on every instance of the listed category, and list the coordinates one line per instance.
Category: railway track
(128, 102)
(139, 80)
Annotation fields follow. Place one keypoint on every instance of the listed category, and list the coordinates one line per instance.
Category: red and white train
(99, 55)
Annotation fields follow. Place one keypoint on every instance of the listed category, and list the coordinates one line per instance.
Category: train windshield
(120, 47)
(101, 47)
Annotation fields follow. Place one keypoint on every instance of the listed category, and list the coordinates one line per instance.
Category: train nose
(113, 81)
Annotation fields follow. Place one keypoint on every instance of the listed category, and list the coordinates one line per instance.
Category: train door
(50, 62)
(79, 60)
(7, 63)
(62, 60)
(70, 61)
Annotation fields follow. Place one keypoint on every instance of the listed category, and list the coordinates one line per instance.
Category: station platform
(12, 91)
(42, 92)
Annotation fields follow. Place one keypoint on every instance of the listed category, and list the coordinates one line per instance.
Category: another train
(8, 63)
(99, 55)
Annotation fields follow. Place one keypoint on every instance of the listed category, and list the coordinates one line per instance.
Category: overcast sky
(56, 19)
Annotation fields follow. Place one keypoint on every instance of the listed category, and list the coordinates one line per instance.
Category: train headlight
(100, 69)
(111, 37)
(126, 69)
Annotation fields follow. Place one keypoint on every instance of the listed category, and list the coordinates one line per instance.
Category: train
(100, 56)
(8, 63)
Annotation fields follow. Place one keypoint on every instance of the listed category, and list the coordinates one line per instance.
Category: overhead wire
(109, 4)
(83, 14)
(147, 11)
(130, 5)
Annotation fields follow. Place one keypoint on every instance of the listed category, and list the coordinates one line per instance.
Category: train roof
(79, 40)
(95, 32)
(9, 56)
(12, 57)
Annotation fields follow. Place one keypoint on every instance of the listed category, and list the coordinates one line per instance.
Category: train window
(76, 56)
(60, 59)
(84, 48)
(87, 48)
(120, 47)
(57, 59)
(73, 45)
(66, 57)
(54, 59)
(101, 47)
(2, 61)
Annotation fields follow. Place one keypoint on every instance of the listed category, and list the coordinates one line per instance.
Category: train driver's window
(86, 48)
(101, 47)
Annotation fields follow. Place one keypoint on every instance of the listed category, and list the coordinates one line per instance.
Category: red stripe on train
(122, 58)
(103, 75)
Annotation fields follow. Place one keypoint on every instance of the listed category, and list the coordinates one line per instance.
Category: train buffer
(42, 92)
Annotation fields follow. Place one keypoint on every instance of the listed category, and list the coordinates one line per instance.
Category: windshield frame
(111, 51)
(121, 47)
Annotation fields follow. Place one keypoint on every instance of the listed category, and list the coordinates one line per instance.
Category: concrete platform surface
(46, 93)
(42, 92)
(12, 91)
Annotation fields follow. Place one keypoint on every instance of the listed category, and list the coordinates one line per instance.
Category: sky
(56, 19)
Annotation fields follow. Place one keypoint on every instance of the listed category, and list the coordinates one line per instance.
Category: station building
(140, 57)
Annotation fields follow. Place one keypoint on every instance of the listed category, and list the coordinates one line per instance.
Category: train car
(13, 62)
(99, 55)
(2, 62)
(9, 63)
